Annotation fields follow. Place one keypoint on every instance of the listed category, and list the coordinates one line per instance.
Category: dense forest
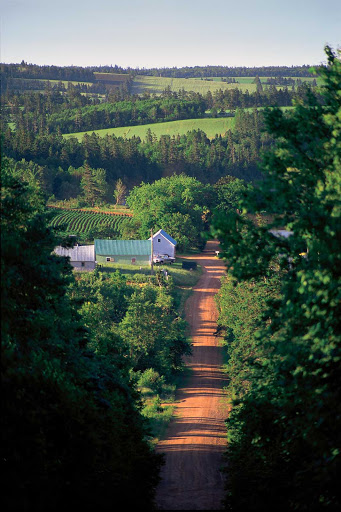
(280, 310)
(78, 348)
(33, 124)
(26, 70)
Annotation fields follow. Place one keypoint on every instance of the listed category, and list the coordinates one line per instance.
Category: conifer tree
(285, 433)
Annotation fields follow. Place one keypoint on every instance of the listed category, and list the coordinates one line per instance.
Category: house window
(83, 263)
(108, 259)
(159, 239)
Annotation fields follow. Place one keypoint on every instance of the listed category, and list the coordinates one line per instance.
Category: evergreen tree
(285, 432)
(72, 430)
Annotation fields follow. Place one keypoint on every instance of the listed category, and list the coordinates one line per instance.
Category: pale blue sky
(162, 33)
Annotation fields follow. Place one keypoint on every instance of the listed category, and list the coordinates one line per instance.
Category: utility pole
(152, 255)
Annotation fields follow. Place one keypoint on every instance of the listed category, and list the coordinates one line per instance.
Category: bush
(151, 379)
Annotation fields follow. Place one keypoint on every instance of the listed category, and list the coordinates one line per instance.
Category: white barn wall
(163, 247)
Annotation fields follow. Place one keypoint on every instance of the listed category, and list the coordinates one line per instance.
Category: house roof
(281, 232)
(77, 253)
(122, 247)
(165, 235)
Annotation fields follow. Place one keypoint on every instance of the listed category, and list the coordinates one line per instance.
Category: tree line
(86, 74)
(71, 112)
(228, 71)
(60, 161)
(279, 310)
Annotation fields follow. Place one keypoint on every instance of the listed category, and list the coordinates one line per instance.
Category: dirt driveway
(196, 438)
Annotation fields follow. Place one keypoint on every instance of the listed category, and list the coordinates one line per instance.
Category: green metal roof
(123, 247)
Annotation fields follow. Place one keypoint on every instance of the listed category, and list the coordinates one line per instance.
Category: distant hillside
(31, 77)
(221, 71)
(211, 126)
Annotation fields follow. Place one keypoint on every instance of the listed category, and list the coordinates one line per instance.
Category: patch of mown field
(155, 85)
(242, 81)
(211, 126)
(65, 82)
(111, 77)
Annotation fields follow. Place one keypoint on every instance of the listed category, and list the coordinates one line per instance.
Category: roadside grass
(182, 278)
(211, 126)
(159, 408)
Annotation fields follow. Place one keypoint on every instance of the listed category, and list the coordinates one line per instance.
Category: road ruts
(196, 438)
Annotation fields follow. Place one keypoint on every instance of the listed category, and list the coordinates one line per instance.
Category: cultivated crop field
(211, 126)
(78, 222)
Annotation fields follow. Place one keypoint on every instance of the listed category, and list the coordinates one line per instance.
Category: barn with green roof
(123, 251)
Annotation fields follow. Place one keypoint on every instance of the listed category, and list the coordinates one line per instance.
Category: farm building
(163, 243)
(82, 257)
(123, 251)
(281, 232)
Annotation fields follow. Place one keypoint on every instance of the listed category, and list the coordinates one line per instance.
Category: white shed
(285, 233)
(163, 243)
(82, 257)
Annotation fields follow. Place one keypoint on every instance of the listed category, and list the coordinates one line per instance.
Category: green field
(65, 82)
(242, 80)
(155, 85)
(211, 126)
(80, 222)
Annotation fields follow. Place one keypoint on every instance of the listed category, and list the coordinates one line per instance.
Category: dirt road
(196, 438)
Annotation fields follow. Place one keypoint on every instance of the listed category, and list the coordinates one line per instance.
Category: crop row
(83, 222)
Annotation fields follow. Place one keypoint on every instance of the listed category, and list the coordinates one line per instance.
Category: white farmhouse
(82, 257)
(163, 244)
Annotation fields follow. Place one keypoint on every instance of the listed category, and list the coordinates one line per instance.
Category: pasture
(54, 82)
(111, 77)
(211, 126)
(155, 85)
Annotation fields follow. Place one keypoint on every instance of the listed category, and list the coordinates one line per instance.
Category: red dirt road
(196, 438)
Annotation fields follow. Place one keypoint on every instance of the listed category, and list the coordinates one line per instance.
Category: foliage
(243, 309)
(155, 336)
(120, 191)
(150, 378)
(176, 204)
(284, 433)
(230, 191)
(71, 422)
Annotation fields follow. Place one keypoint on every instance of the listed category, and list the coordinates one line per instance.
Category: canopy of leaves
(284, 433)
(178, 204)
(71, 423)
